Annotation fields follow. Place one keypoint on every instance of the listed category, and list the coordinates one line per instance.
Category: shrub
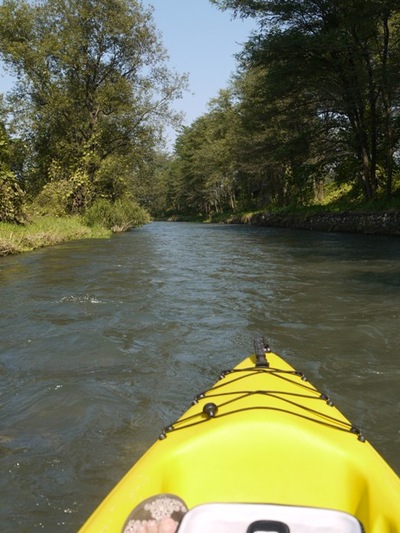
(64, 197)
(11, 198)
(99, 213)
(51, 199)
(118, 216)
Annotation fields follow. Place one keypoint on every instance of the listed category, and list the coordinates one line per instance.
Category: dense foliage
(118, 216)
(314, 105)
(11, 194)
(92, 95)
(316, 101)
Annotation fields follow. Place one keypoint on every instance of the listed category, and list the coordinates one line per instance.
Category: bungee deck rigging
(265, 438)
(212, 410)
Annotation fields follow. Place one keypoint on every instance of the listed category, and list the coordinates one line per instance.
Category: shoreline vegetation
(49, 230)
(46, 231)
(337, 214)
(368, 223)
(306, 139)
(100, 221)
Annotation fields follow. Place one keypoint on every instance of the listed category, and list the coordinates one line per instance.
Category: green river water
(104, 342)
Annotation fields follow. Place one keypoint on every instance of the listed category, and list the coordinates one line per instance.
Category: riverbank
(46, 224)
(48, 231)
(370, 223)
(45, 231)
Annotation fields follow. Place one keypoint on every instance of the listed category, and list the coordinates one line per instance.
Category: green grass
(45, 231)
(342, 199)
(337, 200)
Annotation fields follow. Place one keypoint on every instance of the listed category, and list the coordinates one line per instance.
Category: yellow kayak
(261, 435)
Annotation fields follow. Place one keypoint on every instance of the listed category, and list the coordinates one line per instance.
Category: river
(104, 342)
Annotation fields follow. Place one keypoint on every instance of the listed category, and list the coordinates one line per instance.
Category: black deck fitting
(261, 348)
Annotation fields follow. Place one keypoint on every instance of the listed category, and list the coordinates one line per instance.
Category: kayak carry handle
(268, 525)
(261, 348)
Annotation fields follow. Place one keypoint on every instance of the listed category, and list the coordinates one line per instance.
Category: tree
(216, 156)
(344, 56)
(202, 176)
(93, 87)
(11, 194)
(276, 143)
(188, 173)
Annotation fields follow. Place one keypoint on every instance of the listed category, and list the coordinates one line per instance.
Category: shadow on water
(105, 342)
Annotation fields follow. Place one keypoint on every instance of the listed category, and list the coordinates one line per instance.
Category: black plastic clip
(359, 433)
(197, 398)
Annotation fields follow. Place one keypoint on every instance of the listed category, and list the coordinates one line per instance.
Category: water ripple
(105, 342)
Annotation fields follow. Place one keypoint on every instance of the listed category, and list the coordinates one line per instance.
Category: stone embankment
(379, 223)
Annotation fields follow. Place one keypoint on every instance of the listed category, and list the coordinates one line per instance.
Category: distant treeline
(314, 106)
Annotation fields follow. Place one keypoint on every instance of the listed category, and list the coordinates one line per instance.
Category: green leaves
(118, 216)
(11, 194)
(202, 177)
(11, 197)
(315, 102)
(336, 63)
(94, 85)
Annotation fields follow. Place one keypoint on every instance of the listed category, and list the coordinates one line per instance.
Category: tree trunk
(389, 142)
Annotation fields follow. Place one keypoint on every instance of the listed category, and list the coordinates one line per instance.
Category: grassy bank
(338, 203)
(45, 231)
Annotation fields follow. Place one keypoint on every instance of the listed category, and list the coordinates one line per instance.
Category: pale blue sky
(201, 41)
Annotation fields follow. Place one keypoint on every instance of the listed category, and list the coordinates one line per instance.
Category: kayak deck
(262, 434)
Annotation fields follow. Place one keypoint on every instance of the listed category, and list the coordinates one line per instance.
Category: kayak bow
(261, 434)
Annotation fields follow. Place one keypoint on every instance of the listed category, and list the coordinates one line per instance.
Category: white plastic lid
(258, 518)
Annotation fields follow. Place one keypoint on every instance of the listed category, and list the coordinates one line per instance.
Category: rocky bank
(373, 223)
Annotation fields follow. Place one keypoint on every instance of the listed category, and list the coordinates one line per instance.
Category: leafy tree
(342, 56)
(11, 197)
(151, 186)
(276, 158)
(11, 194)
(188, 172)
(203, 178)
(220, 152)
(93, 88)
